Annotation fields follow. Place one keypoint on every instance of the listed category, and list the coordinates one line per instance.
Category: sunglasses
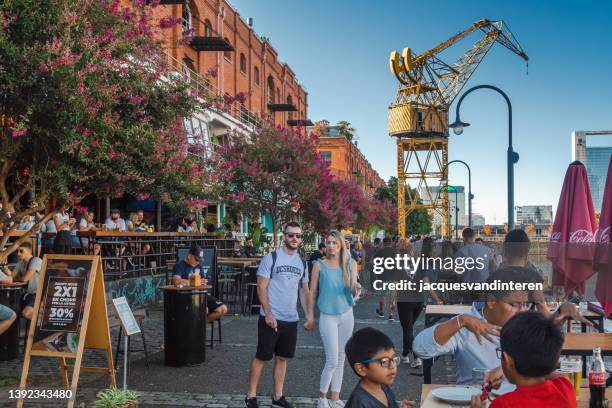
(384, 362)
(293, 235)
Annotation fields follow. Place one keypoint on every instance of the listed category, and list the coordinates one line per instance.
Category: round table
(184, 325)
(10, 296)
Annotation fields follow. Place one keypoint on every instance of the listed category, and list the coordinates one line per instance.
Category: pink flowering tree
(87, 105)
(274, 171)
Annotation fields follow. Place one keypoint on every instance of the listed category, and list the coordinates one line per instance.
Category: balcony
(200, 43)
(300, 122)
(171, 2)
(282, 107)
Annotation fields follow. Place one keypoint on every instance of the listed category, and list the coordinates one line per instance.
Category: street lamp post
(470, 195)
(453, 188)
(512, 156)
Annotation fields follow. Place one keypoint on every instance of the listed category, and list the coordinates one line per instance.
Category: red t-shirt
(555, 393)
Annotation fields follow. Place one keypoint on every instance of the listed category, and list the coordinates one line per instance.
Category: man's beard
(290, 245)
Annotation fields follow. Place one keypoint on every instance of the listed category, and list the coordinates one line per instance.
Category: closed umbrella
(571, 248)
(603, 251)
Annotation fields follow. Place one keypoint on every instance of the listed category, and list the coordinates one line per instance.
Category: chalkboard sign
(125, 316)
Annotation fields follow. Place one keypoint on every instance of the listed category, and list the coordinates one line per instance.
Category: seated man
(27, 270)
(473, 337)
(7, 316)
(215, 309)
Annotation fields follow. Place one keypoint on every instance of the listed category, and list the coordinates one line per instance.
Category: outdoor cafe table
(10, 296)
(429, 401)
(184, 324)
(435, 313)
(582, 344)
(241, 263)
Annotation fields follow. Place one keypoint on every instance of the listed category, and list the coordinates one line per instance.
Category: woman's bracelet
(458, 322)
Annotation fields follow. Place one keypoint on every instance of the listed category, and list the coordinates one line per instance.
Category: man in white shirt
(115, 222)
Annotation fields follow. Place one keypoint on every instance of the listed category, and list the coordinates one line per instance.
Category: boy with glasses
(281, 276)
(371, 354)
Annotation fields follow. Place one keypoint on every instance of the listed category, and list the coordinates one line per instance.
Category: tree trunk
(274, 228)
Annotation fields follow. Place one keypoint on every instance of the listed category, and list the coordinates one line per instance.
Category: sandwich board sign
(125, 316)
(69, 317)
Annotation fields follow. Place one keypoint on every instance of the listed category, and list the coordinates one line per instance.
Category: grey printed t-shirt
(35, 263)
(283, 285)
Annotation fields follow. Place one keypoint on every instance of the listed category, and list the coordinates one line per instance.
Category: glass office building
(597, 161)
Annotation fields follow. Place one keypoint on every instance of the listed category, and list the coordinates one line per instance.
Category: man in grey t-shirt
(281, 276)
(470, 252)
(27, 270)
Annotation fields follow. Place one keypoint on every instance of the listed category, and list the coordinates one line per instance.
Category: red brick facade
(253, 68)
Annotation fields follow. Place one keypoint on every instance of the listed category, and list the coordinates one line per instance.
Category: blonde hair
(345, 257)
(403, 244)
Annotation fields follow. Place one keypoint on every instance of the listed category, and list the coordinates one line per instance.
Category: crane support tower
(419, 116)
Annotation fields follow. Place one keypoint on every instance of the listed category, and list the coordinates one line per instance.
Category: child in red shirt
(530, 349)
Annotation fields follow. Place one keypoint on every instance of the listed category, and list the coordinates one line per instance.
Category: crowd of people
(488, 336)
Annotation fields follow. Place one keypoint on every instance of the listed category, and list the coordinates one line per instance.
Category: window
(290, 102)
(207, 28)
(256, 76)
(242, 63)
(278, 98)
(186, 17)
(325, 156)
(227, 54)
(270, 90)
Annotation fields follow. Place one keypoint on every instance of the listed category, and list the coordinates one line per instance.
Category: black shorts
(28, 300)
(212, 303)
(280, 342)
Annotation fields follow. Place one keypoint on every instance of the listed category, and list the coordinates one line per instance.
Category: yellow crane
(419, 116)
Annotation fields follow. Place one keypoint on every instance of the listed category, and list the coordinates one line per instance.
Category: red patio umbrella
(603, 250)
(571, 249)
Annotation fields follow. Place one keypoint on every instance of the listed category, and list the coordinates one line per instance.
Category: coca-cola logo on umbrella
(581, 236)
(603, 235)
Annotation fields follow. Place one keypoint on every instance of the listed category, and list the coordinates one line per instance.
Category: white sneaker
(405, 359)
(324, 403)
(417, 362)
(336, 403)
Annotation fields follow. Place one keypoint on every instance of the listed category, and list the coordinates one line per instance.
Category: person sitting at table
(530, 346)
(27, 270)
(115, 222)
(249, 249)
(473, 337)
(215, 309)
(187, 224)
(7, 316)
(136, 222)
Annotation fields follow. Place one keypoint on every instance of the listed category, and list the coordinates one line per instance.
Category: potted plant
(116, 398)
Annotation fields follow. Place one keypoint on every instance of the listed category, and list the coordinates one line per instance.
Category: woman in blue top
(335, 277)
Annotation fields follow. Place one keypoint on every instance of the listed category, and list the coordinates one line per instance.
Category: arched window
(186, 17)
(207, 28)
(242, 63)
(227, 54)
(270, 89)
(256, 76)
(290, 102)
(278, 98)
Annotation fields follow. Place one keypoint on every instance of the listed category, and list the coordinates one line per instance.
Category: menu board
(62, 304)
(125, 315)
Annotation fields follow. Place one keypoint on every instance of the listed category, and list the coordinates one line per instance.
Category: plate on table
(505, 388)
(455, 395)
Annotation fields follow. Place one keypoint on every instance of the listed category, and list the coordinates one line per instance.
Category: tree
(89, 106)
(269, 172)
(419, 221)
(345, 130)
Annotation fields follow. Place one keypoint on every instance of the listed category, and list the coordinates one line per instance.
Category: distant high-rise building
(595, 159)
(534, 214)
(429, 194)
(478, 220)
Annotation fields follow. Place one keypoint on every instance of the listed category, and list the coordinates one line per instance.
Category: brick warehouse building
(346, 161)
(253, 67)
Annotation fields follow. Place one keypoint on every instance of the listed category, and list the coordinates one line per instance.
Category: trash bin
(10, 296)
(184, 325)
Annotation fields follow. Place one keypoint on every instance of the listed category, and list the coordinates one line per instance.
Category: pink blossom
(18, 132)
(53, 162)
(112, 154)
(95, 143)
(26, 171)
(168, 22)
(42, 68)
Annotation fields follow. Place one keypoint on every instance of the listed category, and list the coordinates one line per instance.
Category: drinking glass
(478, 376)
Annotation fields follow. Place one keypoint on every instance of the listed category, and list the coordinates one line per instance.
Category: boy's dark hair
(534, 342)
(516, 244)
(364, 344)
(321, 245)
(292, 224)
(26, 244)
(468, 233)
(376, 241)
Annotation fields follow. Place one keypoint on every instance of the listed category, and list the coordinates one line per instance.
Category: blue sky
(339, 51)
